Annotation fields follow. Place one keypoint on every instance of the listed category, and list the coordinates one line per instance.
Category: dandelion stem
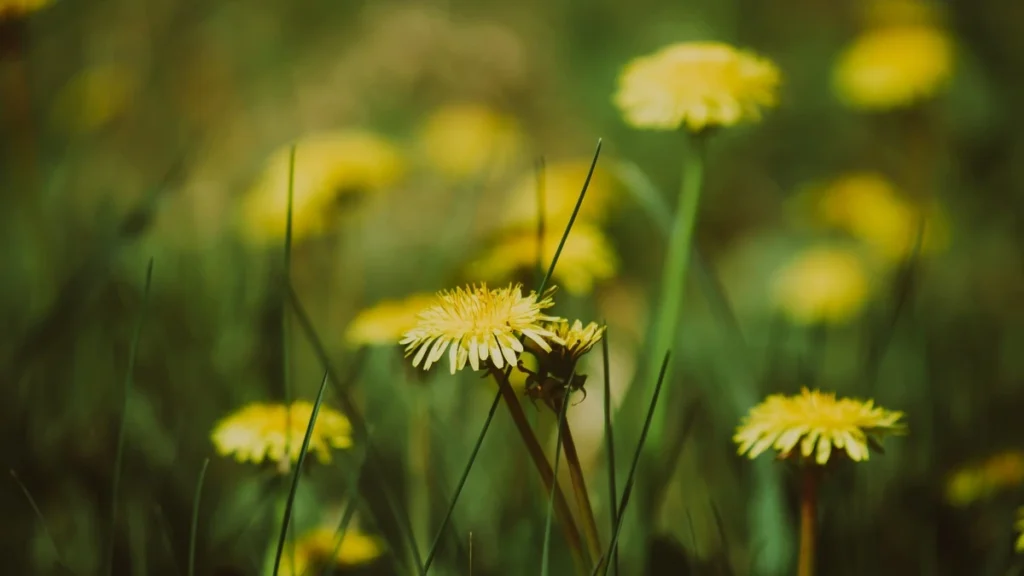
(579, 488)
(546, 554)
(808, 520)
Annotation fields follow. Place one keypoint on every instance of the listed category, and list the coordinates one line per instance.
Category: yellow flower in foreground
(697, 85)
(386, 322)
(574, 340)
(21, 7)
(462, 141)
(894, 66)
(821, 285)
(1019, 546)
(1002, 471)
(316, 549)
(479, 324)
(586, 258)
(261, 432)
(328, 167)
(92, 98)
(563, 182)
(869, 207)
(818, 422)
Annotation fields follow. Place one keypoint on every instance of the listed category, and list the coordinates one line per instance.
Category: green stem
(579, 488)
(673, 279)
(808, 520)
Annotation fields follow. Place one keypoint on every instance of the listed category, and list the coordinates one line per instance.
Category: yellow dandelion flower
(21, 7)
(869, 207)
(586, 258)
(261, 432)
(462, 141)
(696, 85)
(574, 340)
(92, 98)
(479, 324)
(386, 322)
(894, 66)
(1019, 546)
(329, 167)
(819, 423)
(821, 285)
(316, 549)
(563, 181)
(978, 481)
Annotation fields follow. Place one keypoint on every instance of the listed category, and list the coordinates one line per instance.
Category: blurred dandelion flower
(261, 432)
(463, 141)
(21, 7)
(823, 284)
(329, 167)
(869, 207)
(978, 481)
(1019, 546)
(586, 258)
(384, 323)
(92, 98)
(563, 182)
(819, 423)
(894, 66)
(479, 324)
(316, 549)
(696, 85)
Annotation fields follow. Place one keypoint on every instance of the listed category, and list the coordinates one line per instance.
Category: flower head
(386, 322)
(329, 167)
(479, 324)
(265, 431)
(697, 85)
(562, 183)
(823, 284)
(462, 141)
(818, 422)
(586, 258)
(574, 340)
(894, 66)
(1002, 471)
(320, 547)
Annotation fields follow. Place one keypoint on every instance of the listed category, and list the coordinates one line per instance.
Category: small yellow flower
(479, 324)
(894, 66)
(316, 549)
(696, 85)
(1002, 471)
(586, 258)
(384, 323)
(261, 432)
(821, 285)
(463, 141)
(563, 182)
(92, 98)
(869, 207)
(329, 167)
(818, 422)
(574, 340)
(21, 7)
(1019, 546)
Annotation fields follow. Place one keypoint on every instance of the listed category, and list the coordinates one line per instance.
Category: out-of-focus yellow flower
(384, 323)
(824, 284)
(463, 141)
(586, 258)
(1019, 546)
(328, 168)
(319, 548)
(1002, 471)
(869, 207)
(261, 432)
(21, 7)
(894, 66)
(696, 85)
(479, 324)
(93, 97)
(563, 182)
(819, 423)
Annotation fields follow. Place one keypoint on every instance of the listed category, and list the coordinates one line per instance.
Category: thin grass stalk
(545, 555)
(610, 439)
(540, 215)
(286, 357)
(808, 521)
(346, 519)
(194, 526)
(41, 519)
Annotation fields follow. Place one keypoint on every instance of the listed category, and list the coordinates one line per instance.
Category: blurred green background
(133, 131)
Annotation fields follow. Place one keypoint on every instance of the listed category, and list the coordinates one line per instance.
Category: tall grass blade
(42, 521)
(609, 435)
(540, 215)
(128, 381)
(628, 489)
(346, 518)
(194, 528)
(286, 355)
(544, 566)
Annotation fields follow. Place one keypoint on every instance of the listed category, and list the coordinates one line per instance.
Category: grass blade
(632, 470)
(194, 530)
(551, 498)
(462, 482)
(41, 519)
(346, 518)
(128, 380)
(609, 435)
(286, 363)
(540, 216)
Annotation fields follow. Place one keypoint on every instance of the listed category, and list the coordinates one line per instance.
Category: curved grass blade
(286, 361)
(610, 438)
(551, 498)
(194, 530)
(128, 380)
(42, 521)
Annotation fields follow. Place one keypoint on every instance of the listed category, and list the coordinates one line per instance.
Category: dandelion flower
(261, 432)
(386, 322)
(819, 423)
(479, 324)
(586, 258)
(697, 85)
(821, 285)
(316, 549)
(563, 182)
(462, 141)
(894, 66)
(869, 207)
(574, 340)
(1002, 471)
(329, 167)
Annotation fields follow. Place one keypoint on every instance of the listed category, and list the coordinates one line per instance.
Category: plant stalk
(579, 488)
(808, 520)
